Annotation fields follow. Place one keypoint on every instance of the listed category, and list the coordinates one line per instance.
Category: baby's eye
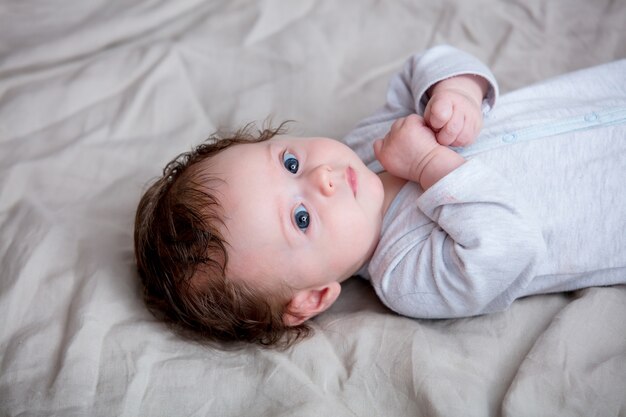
(302, 218)
(290, 162)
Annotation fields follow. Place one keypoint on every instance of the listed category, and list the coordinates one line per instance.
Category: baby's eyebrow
(270, 154)
(285, 225)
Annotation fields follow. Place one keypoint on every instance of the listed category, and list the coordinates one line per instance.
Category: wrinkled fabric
(96, 96)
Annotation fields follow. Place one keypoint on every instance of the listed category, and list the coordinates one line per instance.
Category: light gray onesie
(539, 206)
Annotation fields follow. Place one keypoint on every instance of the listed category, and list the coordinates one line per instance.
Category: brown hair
(182, 257)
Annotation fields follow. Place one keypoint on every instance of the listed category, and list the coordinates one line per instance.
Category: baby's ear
(310, 302)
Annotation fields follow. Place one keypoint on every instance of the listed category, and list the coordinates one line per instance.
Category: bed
(96, 96)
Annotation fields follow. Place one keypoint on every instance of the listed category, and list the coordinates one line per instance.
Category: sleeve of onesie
(407, 94)
(469, 248)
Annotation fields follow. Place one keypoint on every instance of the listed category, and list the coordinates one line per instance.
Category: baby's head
(246, 237)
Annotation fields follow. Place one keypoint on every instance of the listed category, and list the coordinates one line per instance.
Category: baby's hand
(403, 150)
(454, 109)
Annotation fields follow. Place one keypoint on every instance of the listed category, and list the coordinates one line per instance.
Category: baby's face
(300, 211)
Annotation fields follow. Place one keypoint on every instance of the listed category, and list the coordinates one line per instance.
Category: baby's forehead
(287, 139)
(248, 151)
(235, 161)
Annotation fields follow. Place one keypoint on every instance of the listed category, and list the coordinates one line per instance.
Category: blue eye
(290, 162)
(302, 218)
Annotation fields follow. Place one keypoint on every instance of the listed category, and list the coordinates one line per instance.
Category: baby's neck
(392, 186)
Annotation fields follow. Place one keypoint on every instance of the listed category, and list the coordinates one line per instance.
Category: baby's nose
(322, 177)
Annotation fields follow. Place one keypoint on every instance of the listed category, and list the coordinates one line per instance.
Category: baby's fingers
(439, 113)
(466, 136)
(450, 132)
(378, 144)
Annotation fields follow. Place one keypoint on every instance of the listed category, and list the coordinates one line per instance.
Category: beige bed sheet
(95, 96)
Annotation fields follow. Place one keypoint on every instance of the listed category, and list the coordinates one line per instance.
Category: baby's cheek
(355, 242)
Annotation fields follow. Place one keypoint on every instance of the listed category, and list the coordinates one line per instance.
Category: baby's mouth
(352, 179)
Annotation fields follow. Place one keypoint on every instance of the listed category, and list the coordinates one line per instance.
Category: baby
(248, 236)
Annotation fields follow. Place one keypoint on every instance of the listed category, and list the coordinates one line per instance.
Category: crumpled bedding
(95, 97)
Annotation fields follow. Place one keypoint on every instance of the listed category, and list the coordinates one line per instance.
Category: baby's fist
(454, 110)
(404, 147)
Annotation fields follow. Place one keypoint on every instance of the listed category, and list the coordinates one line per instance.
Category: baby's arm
(466, 246)
(410, 151)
